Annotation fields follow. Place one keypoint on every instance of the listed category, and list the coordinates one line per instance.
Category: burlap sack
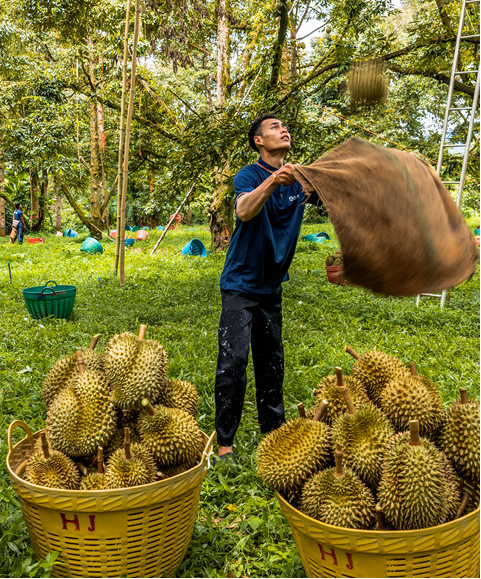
(400, 231)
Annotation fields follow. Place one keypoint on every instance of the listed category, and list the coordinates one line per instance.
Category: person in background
(19, 222)
(269, 206)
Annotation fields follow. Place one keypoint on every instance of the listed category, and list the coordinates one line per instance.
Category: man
(19, 222)
(269, 205)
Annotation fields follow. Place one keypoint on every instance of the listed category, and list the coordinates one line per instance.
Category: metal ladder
(447, 113)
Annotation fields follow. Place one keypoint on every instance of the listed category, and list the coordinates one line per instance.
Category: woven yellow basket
(449, 550)
(141, 531)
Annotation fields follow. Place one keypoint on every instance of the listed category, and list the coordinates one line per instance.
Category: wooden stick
(148, 406)
(301, 409)
(142, 331)
(80, 362)
(351, 409)
(352, 352)
(414, 431)
(320, 410)
(464, 395)
(45, 449)
(339, 471)
(94, 341)
(128, 453)
(462, 505)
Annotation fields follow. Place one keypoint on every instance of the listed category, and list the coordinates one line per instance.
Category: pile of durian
(115, 420)
(377, 450)
(335, 258)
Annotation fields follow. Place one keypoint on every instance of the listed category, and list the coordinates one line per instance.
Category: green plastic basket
(45, 301)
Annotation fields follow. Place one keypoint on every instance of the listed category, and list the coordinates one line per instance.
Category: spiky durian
(65, 370)
(130, 466)
(136, 368)
(82, 416)
(95, 480)
(337, 496)
(458, 436)
(412, 398)
(171, 435)
(329, 390)
(169, 471)
(51, 468)
(289, 455)
(179, 394)
(414, 492)
(375, 369)
(126, 419)
(363, 434)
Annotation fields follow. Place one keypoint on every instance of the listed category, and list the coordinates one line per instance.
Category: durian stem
(352, 352)
(148, 406)
(340, 381)
(338, 458)
(412, 367)
(464, 395)
(45, 449)
(380, 520)
(100, 460)
(80, 362)
(320, 410)
(160, 475)
(82, 468)
(348, 400)
(301, 409)
(94, 341)
(414, 431)
(462, 505)
(128, 454)
(142, 331)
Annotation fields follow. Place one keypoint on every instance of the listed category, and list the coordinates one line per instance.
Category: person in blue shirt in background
(269, 206)
(19, 222)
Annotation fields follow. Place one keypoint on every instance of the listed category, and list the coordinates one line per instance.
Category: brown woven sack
(400, 231)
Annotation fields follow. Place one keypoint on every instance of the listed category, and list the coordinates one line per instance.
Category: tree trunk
(221, 208)
(95, 179)
(33, 197)
(278, 47)
(2, 200)
(58, 210)
(103, 182)
(42, 202)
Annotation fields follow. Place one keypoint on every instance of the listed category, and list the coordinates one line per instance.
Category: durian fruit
(130, 466)
(51, 468)
(337, 496)
(95, 480)
(135, 367)
(126, 419)
(334, 258)
(65, 370)
(363, 434)
(82, 415)
(375, 370)
(367, 83)
(458, 437)
(412, 398)
(414, 491)
(289, 455)
(171, 435)
(179, 394)
(329, 390)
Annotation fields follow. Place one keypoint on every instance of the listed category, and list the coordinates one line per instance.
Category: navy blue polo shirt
(261, 250)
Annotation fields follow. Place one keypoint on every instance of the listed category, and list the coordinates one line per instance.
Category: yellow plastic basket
(449, 550)
(141, 531)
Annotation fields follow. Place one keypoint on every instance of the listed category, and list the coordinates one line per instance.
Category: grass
(240, 530)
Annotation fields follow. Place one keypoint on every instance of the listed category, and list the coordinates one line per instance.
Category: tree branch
(73, 203)
(459, 86)
(281, 36)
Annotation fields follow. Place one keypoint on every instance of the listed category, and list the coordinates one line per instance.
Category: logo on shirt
(293, 197)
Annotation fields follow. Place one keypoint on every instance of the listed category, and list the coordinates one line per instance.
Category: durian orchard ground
(240, 530)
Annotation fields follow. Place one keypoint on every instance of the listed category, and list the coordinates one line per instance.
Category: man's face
(273, 136)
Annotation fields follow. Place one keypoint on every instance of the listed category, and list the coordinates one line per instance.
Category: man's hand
(285, 175)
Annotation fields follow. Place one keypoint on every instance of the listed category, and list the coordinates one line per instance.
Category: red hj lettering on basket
(75, 521)
(332, 554)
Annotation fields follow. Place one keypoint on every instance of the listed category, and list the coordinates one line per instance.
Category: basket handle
(50, 281)
(41, 294)
(13, 425)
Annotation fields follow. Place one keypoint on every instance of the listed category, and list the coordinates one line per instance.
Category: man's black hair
(255, 129)
(17, 205)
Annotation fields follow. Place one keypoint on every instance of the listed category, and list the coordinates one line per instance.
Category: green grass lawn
(240, 529)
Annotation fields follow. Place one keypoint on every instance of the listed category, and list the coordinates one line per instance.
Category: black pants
(249, 320)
